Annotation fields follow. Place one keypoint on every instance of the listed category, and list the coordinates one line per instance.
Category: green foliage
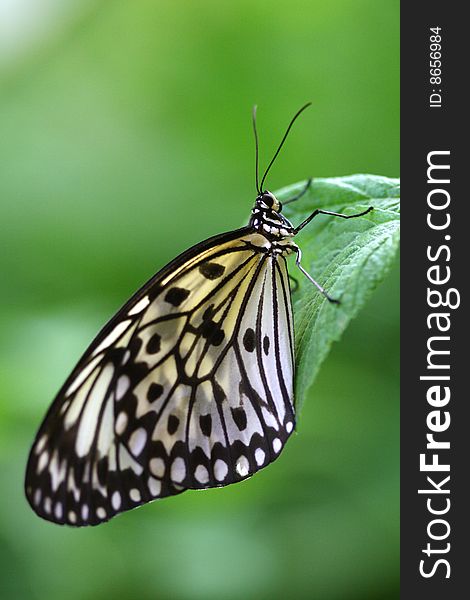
(348, 257)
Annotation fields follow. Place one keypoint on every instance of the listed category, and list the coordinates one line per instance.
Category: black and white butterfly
(189, 386)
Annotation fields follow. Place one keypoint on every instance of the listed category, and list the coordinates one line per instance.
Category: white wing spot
(260, 456)
(289, 426)
(201, 474)
(178, 470)
(121, 423)
(101, 513)
(106, 430)
(72, 516)
(37, 496)
(88, 422)
(116, 500)
(157, 466)
(71, 486)
(134, 495)
(122, 386)
(269, 419)
(155, 486)
(41, 443)
(78, 401)
(65, 407)
(113, 336)
(57, 471)
(220, 469)
(126, 357)
(43, 460)
(58, 510)
(85, 512)
(139, 307)
(277, 445)
(137, 441)
(47, 505)
(242, 466)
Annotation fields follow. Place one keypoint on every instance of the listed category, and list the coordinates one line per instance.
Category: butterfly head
(267, 201)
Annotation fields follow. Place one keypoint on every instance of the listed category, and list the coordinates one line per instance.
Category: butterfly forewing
(190, 385)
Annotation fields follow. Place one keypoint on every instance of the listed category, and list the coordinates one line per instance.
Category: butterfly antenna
(294, 118)
(256, 150)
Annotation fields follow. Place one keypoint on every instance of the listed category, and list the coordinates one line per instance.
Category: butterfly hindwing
(188, 386)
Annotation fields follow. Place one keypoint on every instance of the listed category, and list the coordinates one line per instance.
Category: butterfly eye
(268, 200)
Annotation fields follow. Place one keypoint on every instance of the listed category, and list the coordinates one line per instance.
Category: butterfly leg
(322, 290)
(333, 214)
(300, 194)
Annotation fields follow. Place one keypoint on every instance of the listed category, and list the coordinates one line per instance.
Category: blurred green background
(125, 138)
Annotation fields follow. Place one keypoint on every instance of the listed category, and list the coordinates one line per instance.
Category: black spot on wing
(208, 313)
(249, 340)
(176, 296)
(135, 346)
(239, 416)
(212, 332)
(205, 422)
(173, 424)
(154, 391)
(154, 344)
(212, 270)
(266, 345)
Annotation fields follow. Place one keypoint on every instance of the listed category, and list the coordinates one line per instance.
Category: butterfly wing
(188, 386)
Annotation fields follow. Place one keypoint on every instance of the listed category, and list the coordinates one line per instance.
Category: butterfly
(189, 386)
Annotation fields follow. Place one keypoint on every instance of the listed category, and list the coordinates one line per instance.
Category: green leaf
(347, 257)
